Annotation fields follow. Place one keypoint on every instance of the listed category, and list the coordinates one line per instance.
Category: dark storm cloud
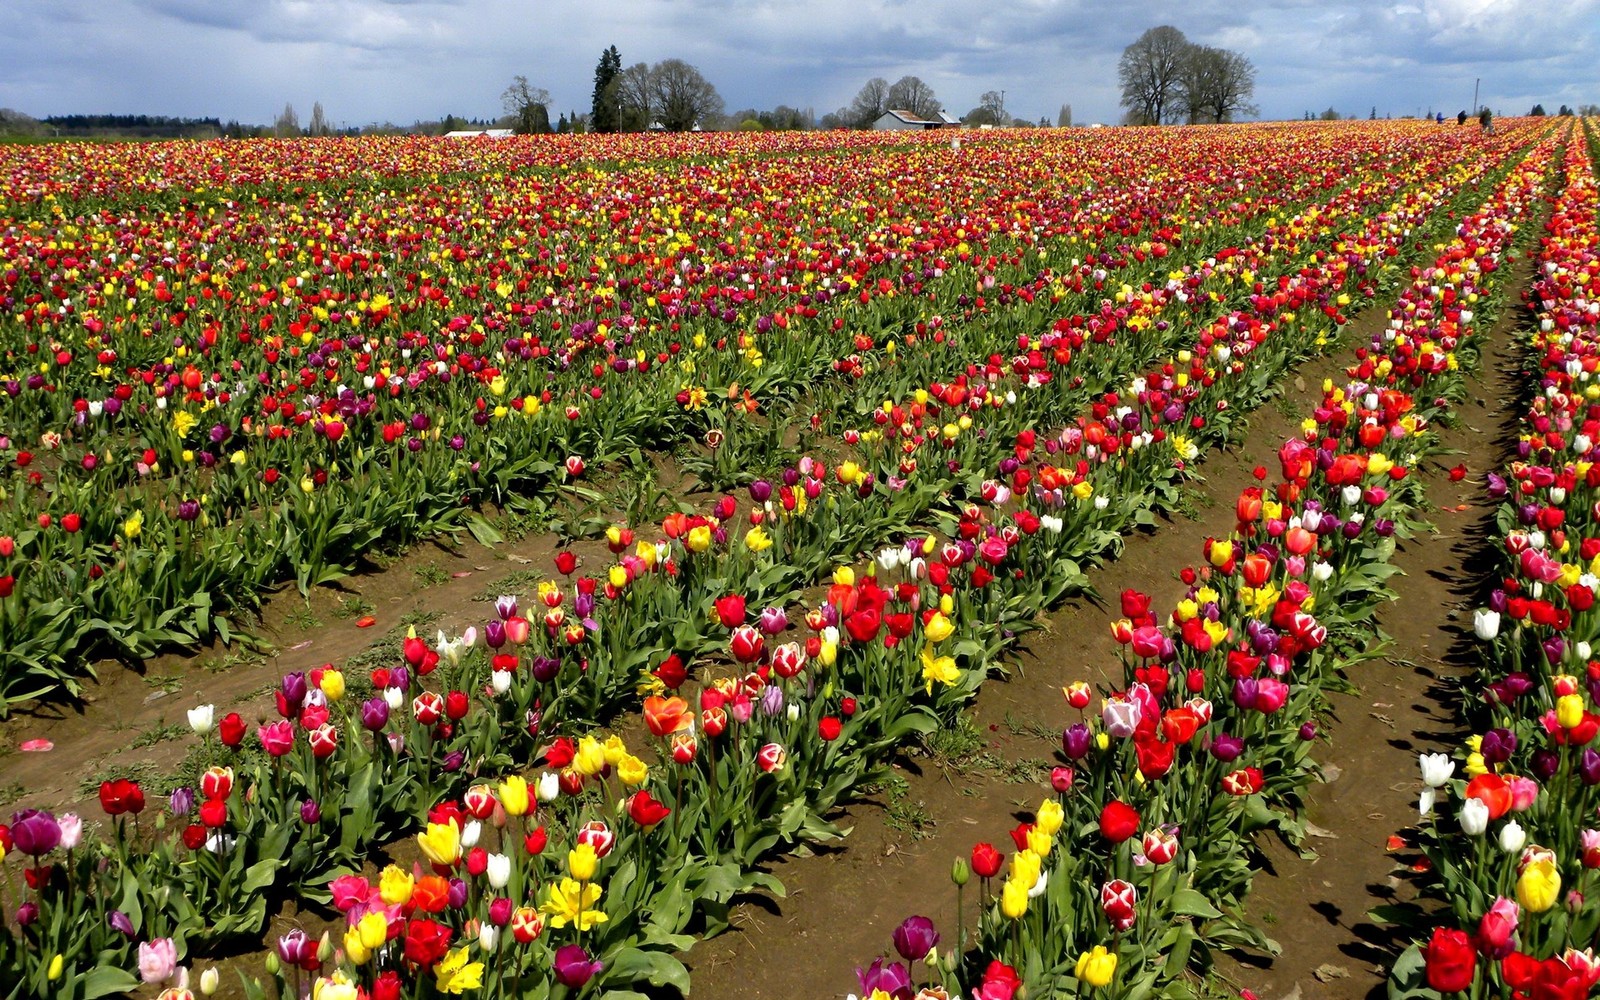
(401, 60)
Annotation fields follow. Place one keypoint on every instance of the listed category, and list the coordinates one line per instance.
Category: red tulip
(1450, 960)
(645, 810)
(426, 942)
(231, 730)
(1118, 821)
(730, 610)
(986, 861)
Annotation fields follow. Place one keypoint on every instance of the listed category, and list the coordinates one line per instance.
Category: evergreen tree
(606, 115)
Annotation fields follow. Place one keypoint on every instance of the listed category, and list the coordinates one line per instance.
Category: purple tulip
(1589, 766)
(1227, 748)
(914, 938)
(399, 677)
(760, 491)
(893, 979)
(453, 761)
(500, 911)
(1308, 731)
(545, 668)
(27, 913)
(1498, 746)
(374, 714)
(296, 947)
(120, 923)
(772, 701)
(1497, 602)
(1497, 487)
(506, 606)
(573, 968)
(583, 605)
(182, 801)
(35, 832)
(494, 635)
(772, 621)
(1554, 648)
(1544, 763)
(310, 812)
(1075, 741)
(457, 895)
(294, 689)
(1244, 691)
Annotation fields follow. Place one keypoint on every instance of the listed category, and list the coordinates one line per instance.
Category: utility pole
(1475, 81)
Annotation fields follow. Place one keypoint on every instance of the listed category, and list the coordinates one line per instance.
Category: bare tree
(870, 102)
(288, 123)
(1064, 117)
(529, 105)
(1149, 72)
(682, 98)
(994, 102)
(319, 121)
(634, 98)
(909, 93)
(1215, 85)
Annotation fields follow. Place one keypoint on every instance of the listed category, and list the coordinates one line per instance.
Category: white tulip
(1486, 623)
(1425, 804)
(1436, 769)
(1040, 886)
(393, 697)
(1474, 817)
(1512, 837)
(488, 936)
(1321, 571)
(500, 680)
(549, 787)
(498, 870)
(1350, 495)
(470, 833)
(200, 719)
(209, 981)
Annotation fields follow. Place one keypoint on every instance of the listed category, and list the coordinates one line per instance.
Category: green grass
(430, 575)
(303, 619)
(905, 815)
(354, 606)
(159, 733)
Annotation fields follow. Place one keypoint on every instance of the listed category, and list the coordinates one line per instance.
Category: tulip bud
(209, 981)
(960, 873)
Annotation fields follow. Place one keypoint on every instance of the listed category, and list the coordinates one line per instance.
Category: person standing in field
(1486, 120)
(1461, 117)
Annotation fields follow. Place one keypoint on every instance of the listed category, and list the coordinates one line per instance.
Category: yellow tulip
(1050, 817)
(590, 759)
(395, 885)
(332, 684)
(454, 974)
(757, 540)
(698, 539)
(373, 930)
(582, 862)
(1539, 885)
(1096, 967)
(1569, 710)
(354, 948)
(938, 628)
(1014, 900)
(57, 962)
(632, 771)
(614, 750)
(441, 843)
(514, 795)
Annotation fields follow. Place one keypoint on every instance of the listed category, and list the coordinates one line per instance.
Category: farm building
(905, 121)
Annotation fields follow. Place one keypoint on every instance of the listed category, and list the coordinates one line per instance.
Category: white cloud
(401, 60)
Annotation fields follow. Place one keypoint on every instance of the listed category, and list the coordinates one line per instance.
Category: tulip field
(911, 394)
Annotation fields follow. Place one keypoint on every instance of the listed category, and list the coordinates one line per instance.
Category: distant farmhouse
(905, 121)
(488, 133)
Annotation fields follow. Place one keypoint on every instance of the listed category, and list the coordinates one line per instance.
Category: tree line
(1167, 79)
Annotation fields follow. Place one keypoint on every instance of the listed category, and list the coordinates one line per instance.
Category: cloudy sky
(403, 60)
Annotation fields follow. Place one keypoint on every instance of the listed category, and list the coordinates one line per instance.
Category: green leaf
(1189, 903)
(105, 980)
(655, 967)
